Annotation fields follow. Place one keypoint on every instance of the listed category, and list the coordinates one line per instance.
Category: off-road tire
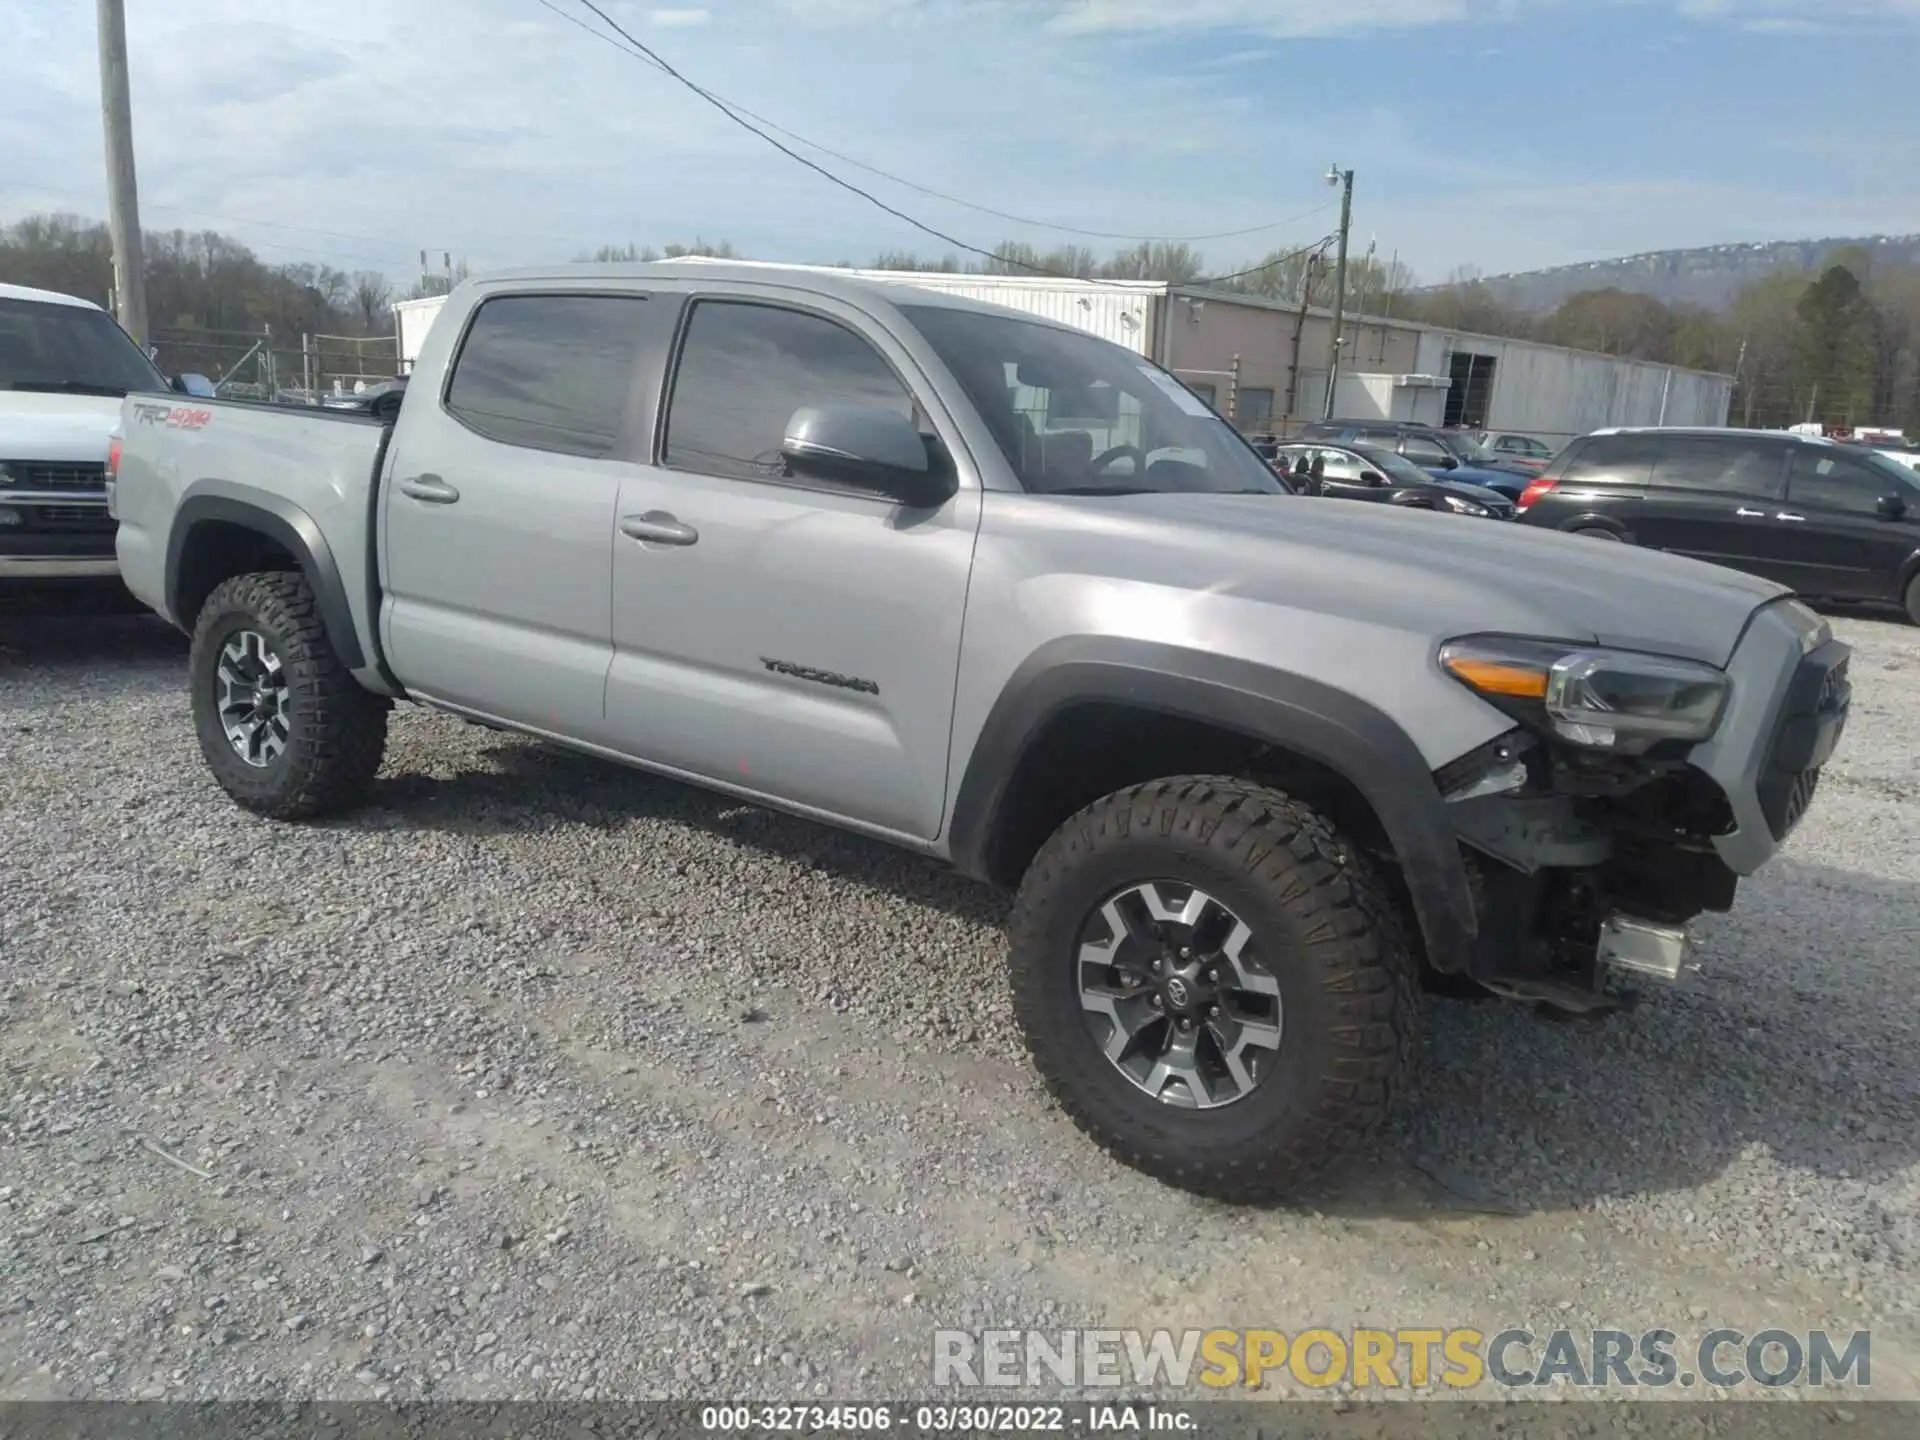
(1328, 930)
(337, 730)
(1913, 600)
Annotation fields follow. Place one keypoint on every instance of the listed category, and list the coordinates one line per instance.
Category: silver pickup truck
(1002, 593)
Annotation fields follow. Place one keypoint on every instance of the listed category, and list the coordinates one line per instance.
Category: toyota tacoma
(1000, 592)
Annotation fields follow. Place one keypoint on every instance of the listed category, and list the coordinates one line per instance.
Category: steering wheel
(1112, 453)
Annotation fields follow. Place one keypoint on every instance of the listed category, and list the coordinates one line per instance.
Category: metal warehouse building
(1263, 363)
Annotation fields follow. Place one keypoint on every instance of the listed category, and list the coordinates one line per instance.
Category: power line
(641, 52)
(645, 52)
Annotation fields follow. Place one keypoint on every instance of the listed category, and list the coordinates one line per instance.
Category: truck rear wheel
(1214, 985)
(286, 730)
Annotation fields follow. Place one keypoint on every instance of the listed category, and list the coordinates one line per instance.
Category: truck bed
(312, 468)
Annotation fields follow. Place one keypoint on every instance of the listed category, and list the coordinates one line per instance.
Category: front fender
(1349, 736)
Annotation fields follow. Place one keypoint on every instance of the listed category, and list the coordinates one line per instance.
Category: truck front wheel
(286, 730)
(1213, 984)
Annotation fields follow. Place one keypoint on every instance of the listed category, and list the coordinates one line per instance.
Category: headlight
(1460, 505)
(1617, 700)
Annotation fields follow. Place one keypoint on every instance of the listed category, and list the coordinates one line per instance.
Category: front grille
(40, 475)
(1800, 796)
(61, 519)
(1810, 723)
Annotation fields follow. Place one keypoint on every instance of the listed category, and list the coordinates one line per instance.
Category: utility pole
(123, 203)
(1344, 179)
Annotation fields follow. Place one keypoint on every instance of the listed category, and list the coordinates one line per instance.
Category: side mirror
(1372, 477)
(1447, 462)
(193, 384)
(867, 446)
(1892, 507)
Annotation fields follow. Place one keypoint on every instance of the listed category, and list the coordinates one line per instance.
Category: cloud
(361, 133)
(678, 19)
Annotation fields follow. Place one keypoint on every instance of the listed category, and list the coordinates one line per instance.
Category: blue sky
(1502, 135)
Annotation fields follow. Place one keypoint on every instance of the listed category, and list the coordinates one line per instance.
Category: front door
(1830, 531)
(794, 639)
(1713, 498)
(499, 512)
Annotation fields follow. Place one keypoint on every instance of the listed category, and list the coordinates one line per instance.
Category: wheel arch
(220, 531)
(1305, 735)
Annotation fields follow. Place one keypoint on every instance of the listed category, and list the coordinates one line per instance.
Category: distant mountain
(1711, 275)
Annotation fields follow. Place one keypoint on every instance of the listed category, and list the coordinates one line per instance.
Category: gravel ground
(539, 1078)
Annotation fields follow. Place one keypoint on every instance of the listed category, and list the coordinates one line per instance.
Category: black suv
(1833, 521)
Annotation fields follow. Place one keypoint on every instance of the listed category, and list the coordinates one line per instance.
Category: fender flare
(1349, 736)
(289, 527)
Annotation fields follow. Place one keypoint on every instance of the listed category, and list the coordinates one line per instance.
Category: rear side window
(1610, 460)
(745, 368)
(1725, 466)
(549, 372)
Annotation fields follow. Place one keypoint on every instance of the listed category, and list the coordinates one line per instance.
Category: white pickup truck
(65, 366)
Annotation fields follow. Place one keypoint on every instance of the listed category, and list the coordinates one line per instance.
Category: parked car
(380, 399)
(64, 368)
(1831, 520)
(1363, 472)
(1521, 449)
(1005, 594)
(1448, 454)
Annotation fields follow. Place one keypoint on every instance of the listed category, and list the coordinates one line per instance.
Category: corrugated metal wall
(1557, 394)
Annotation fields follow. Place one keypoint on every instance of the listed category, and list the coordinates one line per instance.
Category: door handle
(1783, 515)
(657, 527)
(1745, 514)
(430, 489)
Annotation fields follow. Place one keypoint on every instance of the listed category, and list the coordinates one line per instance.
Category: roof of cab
(44, 297)
(818, 280)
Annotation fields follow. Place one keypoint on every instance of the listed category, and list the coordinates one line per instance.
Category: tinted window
(1611, 460)
(550, 372)
(69, 348)
(1340, 465)
(1721, 465)
(1077, 415)
(746, 368)
(1835, 482)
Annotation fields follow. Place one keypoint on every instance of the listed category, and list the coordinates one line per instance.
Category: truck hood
(1447, 574)
(70, 429)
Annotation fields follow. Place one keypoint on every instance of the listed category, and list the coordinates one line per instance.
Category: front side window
(1076, 415)
(70, 349)
(1422, 451)
(549, 372)
(1836, 482)
(1724, 466)
(746, 368)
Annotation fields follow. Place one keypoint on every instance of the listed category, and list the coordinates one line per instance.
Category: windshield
(69, 349)
(1075, 415)
(1397, 468)
(1464, 447)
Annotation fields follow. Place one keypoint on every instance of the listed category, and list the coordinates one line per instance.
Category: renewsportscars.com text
(1408, 1358)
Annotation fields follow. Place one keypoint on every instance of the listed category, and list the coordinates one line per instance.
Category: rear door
(795, 639)
(499, 509)
(1830, 536)
(1714, 498)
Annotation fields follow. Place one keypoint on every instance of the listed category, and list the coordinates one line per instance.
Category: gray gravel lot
(543, 1078)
